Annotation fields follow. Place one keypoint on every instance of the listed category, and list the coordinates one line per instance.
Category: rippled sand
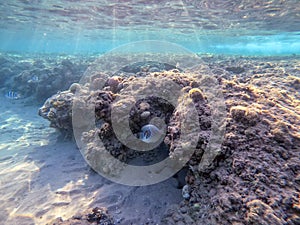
(44, 177)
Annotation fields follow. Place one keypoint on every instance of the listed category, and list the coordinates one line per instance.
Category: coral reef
(255, 177)
(144, 111)
(58, 110)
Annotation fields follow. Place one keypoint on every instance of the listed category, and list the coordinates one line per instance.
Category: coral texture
(254, 179)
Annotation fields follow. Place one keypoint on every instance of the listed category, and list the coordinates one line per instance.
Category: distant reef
(35, 77)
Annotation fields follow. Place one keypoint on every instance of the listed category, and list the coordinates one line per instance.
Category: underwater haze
(95, 26)
(149, 112)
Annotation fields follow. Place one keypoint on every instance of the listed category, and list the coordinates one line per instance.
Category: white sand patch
(42, 178)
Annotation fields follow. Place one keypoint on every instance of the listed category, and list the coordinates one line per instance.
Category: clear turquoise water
(207, 26)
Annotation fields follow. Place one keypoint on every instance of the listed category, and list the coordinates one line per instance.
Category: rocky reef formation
(254, 179)
(58, 110)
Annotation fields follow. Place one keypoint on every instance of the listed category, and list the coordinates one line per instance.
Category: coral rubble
(96, 215)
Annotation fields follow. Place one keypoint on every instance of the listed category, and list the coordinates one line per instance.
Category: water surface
(76, 26)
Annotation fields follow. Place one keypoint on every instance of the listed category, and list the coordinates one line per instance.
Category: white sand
(42, 178)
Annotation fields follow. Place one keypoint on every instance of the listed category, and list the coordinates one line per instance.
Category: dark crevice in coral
(147, 109)
(147, 158)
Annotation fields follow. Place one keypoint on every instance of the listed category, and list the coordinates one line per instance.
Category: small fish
(33, 79)
(150, 134)
(12, 95)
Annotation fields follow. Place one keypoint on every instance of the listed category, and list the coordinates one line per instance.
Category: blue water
(217, 27)
(279, 44)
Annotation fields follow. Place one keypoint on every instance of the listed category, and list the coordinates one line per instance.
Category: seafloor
(254, 179)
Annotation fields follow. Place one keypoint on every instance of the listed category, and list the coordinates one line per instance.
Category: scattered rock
(98, 215)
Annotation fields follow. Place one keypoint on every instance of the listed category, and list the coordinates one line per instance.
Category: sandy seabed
(44, 177)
